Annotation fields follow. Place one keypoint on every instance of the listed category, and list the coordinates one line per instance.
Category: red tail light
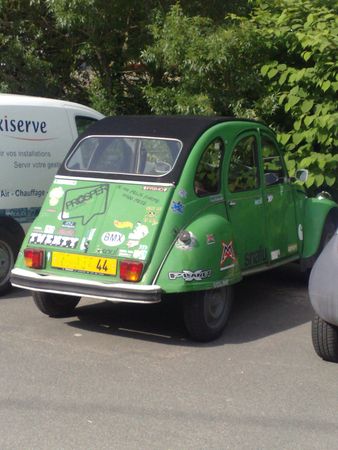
(34, 258)
(131, 270)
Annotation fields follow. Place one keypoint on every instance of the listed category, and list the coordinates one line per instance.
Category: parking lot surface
(121, 376)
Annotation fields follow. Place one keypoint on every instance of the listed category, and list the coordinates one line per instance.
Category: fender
(205, 261)
(317, 211)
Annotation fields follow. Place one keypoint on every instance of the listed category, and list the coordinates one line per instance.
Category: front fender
(317, 211)
(208, 261)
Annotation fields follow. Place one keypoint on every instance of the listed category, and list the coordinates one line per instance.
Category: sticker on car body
(53, 240)
(112, 238)
(85, 203)
(188, 275)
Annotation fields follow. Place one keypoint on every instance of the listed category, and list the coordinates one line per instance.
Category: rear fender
(317, 213)
(208, 261)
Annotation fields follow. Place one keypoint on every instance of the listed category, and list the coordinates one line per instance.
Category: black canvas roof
(187, 129)
(184, 128)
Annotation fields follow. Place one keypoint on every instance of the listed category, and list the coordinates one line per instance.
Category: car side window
(243, 172)
(274, 172)
(208, 174)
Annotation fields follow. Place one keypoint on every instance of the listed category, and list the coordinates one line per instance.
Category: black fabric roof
(184, 128)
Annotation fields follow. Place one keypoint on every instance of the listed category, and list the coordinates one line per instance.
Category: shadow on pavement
(15, 293)
(265, 304)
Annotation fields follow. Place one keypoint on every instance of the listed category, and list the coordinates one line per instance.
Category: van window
(82, 123)
(208, 173)
(125, 155)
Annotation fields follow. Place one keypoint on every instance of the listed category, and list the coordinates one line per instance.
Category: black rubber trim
(73, 288)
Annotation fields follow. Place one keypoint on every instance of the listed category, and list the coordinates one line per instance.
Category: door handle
(232, 203)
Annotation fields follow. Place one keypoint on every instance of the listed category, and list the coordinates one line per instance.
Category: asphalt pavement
(122, 376)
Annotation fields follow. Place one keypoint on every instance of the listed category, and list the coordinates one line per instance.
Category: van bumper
(118, 292)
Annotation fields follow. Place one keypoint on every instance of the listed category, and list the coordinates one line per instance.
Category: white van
(35, 134)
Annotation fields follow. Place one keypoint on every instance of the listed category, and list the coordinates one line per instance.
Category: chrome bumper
(119, 292)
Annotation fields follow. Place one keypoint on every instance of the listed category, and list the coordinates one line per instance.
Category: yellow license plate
(84, 263)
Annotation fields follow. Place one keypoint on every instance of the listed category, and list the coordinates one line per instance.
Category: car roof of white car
(22, 100)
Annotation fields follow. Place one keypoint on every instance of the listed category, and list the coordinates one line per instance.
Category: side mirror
(302, 175)
(324, 195)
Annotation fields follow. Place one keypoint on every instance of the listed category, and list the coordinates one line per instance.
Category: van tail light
(131, 270)
(34, 258)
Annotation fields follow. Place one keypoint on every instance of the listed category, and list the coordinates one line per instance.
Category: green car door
(244, 201)
(260, 203)
(279, 204)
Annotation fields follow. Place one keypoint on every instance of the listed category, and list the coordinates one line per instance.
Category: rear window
(125, 155)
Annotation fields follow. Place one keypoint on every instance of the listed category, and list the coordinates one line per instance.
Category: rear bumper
(120, 292)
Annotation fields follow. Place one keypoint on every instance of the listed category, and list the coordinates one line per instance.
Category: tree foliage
(198, 67)
(275, 61)
(33, 57)
(301, 78)
(277, 64)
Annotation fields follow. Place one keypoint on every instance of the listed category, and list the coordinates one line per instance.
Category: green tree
(301, 83)
(33, 57)
(277, 64)
(109, 36)
(198, 67)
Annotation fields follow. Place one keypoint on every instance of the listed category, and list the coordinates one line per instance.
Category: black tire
(329, 229)
(55, 305)
(206, 313)
(325, 339)
(9, 249)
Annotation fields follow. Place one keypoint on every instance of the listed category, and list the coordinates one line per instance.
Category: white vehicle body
(35, 135)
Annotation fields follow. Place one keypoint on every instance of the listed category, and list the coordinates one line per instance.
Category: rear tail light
(34, 258)
(131, 270)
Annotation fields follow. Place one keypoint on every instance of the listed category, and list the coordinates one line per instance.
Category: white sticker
(188, 275)
(66, 182)
(112, 238)
(139, 232)
(300, 232)
(53, 240)
(49, 229)
(125, 253)
(131, 244)
(91, 234)
(55, 195)
(140, 254)
(292, 248)
(275, 254)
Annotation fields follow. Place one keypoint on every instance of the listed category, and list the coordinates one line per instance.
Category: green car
(146, 206)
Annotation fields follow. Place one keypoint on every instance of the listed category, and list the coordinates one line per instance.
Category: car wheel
(9, 248)
(325, 339)
(55, 305)
(206, 313)
(329, 230)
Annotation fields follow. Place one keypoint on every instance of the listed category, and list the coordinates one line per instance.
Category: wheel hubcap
(214, 307)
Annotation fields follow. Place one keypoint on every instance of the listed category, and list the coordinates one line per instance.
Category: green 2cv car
(145, 206)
